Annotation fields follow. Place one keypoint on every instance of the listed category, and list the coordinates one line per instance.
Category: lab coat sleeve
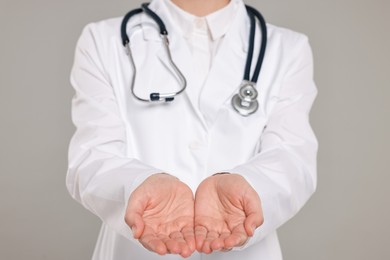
(284, 171)
(101, 175)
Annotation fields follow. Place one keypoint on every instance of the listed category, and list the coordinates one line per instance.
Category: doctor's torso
(199, 128)
(199, 133)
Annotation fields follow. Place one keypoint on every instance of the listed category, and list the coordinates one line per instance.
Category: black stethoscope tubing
(246, 99)
(252, 14)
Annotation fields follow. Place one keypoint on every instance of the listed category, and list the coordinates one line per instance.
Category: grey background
(346, 219)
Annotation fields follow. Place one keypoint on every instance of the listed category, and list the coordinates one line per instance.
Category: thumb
(134, 212)
(254, 213)
(252, 222)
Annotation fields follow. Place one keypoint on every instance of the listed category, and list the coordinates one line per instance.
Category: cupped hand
(227, 212)
(160, 213)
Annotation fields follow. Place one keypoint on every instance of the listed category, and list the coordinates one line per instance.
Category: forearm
(103, 182)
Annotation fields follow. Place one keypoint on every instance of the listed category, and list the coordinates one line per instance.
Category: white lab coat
(120, 141)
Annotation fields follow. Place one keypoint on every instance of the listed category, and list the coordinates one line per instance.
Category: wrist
(165, 174)
(220, 173)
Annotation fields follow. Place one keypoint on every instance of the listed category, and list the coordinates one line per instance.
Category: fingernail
(253, 228)
(134, 230)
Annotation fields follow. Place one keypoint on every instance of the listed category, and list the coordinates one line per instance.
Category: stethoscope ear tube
(155, 96)
(264, 35)
(125, 38)
(155, 17)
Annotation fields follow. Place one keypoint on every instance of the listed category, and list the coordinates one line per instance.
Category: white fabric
(217, 23)
(120, 141)
(203, 34)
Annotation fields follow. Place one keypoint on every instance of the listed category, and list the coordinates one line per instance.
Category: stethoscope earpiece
(245, 102)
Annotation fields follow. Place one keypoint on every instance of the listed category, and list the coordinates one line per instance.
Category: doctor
(137, 165)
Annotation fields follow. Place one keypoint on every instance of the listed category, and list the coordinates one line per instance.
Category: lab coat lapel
(227, 71)
(181, 56)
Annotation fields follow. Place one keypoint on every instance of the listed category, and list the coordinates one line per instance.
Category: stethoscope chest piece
(245, 102)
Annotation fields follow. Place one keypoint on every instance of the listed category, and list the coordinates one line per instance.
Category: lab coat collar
(218, 22)
(226, 74)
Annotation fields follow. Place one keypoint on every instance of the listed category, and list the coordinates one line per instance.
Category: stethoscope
(244, 102)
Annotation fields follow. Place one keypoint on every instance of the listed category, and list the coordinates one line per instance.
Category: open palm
(227, 211)
(161, 214)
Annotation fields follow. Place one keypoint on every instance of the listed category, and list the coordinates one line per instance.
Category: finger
(134, 212)
(154, 244)
(172, 245)
(185, 250)
(237, 238)
(200, 236)
(135, 222)
(189, 237)
(218, 243)
(253, 211)
(252, 222)
(210, 238)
